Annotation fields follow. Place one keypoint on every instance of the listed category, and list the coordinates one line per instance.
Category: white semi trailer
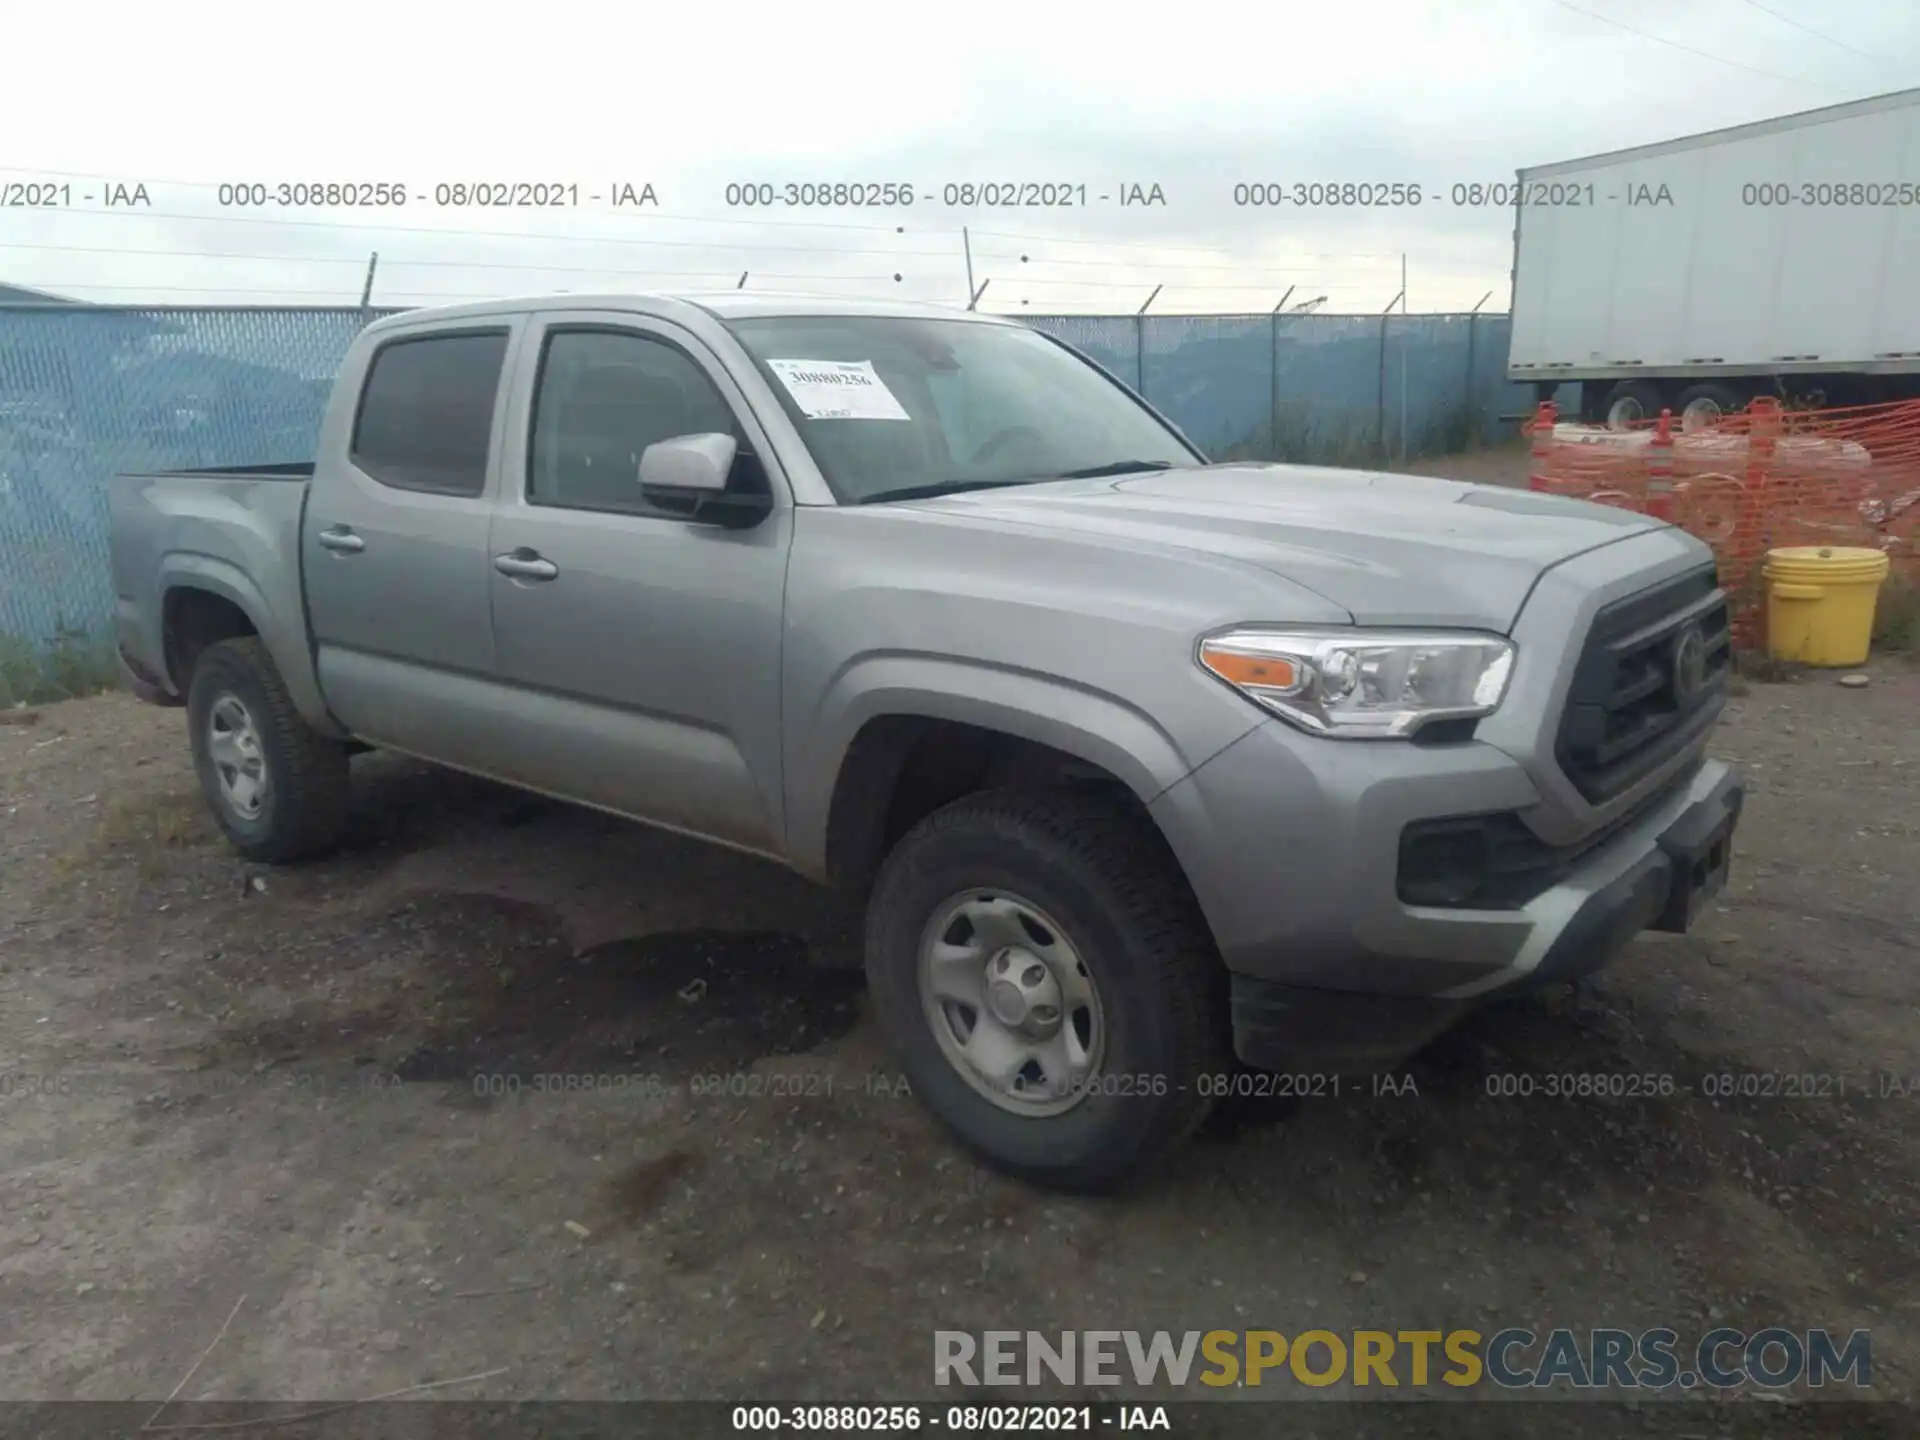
(1778, 258)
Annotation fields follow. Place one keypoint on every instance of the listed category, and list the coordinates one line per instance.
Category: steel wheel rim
(1701, 411)
(239, 761)
(1012, 1004)
(1624, 412)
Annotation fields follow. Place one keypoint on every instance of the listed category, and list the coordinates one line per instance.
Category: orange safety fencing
(1751, 482)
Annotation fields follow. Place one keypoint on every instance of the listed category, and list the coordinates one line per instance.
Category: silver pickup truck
(1146, 768)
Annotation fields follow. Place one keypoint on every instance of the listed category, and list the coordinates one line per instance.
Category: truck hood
(1388, 549)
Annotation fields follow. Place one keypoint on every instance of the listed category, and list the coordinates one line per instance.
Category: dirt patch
(505, 1084)
(486, 993)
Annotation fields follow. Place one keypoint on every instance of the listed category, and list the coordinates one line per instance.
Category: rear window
(426, 415)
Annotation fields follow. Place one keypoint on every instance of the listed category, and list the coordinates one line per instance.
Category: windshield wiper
(958, 487)
(938, 488)
(1115, 467)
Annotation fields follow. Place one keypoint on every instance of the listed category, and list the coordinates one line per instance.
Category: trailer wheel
(1633, 402)
(1702, 406)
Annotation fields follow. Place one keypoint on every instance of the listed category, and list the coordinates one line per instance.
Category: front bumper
(1296, 871)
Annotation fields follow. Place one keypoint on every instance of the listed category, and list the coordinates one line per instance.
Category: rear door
(645, 647)
(394, 546)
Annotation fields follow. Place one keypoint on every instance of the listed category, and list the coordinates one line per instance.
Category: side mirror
(687, 466)
(688, 476)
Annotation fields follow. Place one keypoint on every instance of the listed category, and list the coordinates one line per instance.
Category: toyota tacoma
(1147, 769)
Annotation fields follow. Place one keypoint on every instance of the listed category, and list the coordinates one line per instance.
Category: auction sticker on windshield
(838, 390)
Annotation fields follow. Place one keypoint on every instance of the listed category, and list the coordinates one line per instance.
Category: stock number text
(569, 1084)
(1583, 1086)
(827, 1417)
(814, 195)
(360, 194)
(1857, 193)
(1318, 194)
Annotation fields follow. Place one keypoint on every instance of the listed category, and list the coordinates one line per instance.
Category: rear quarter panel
(234, 536)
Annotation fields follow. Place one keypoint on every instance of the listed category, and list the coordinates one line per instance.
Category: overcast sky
(1194, 98)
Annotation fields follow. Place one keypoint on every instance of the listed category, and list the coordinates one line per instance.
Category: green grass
(74, 663)
(1312, 436)
(1896, 622)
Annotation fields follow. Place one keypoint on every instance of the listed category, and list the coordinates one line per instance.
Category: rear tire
(1129, 966)
(278, 788)
(1703, 405)
(1630, 403)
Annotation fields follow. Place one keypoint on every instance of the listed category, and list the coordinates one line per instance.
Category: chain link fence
(89, 391)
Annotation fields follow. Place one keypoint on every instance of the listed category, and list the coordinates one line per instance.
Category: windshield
(895, 408)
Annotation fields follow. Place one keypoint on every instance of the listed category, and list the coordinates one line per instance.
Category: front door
(646, 647)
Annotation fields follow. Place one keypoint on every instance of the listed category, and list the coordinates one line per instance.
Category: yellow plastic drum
(1820, 603)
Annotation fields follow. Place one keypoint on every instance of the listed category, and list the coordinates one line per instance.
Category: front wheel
(276, 786)
(1048, 984)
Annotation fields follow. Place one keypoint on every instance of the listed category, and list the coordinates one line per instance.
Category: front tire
(1048, 984)
(277, 787)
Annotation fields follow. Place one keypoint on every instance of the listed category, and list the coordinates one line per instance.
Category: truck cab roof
(720, 304)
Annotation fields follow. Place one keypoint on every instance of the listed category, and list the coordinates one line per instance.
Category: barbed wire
(980, 258)
(524, 266)
(447, 232)
(719, 279)
(1819, 34)
(1634, 30)
(529, 274)
(1132, 269)
(359, 262)
(731, 276)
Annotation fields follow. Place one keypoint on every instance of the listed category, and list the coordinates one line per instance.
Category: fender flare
(1090, 725)
(189, 570)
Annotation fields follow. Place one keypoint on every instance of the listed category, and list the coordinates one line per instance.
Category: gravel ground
(320, 1089)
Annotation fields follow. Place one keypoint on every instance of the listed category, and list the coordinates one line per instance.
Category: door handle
(525, 565)
(341, 540)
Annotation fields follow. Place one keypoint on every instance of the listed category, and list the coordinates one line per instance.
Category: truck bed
(231, 531)
(290, 470)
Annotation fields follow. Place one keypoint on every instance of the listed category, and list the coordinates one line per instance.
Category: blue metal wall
(1332, 389)
(86, 392)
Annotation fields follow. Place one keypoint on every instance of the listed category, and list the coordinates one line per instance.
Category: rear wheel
(1631, 403)
(1702, 406)
(1048, 984)
(277, 788)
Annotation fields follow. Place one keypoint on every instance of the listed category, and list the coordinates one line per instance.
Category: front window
(894, 408)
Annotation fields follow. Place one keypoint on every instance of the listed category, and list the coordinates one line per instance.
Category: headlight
(1358, 684)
